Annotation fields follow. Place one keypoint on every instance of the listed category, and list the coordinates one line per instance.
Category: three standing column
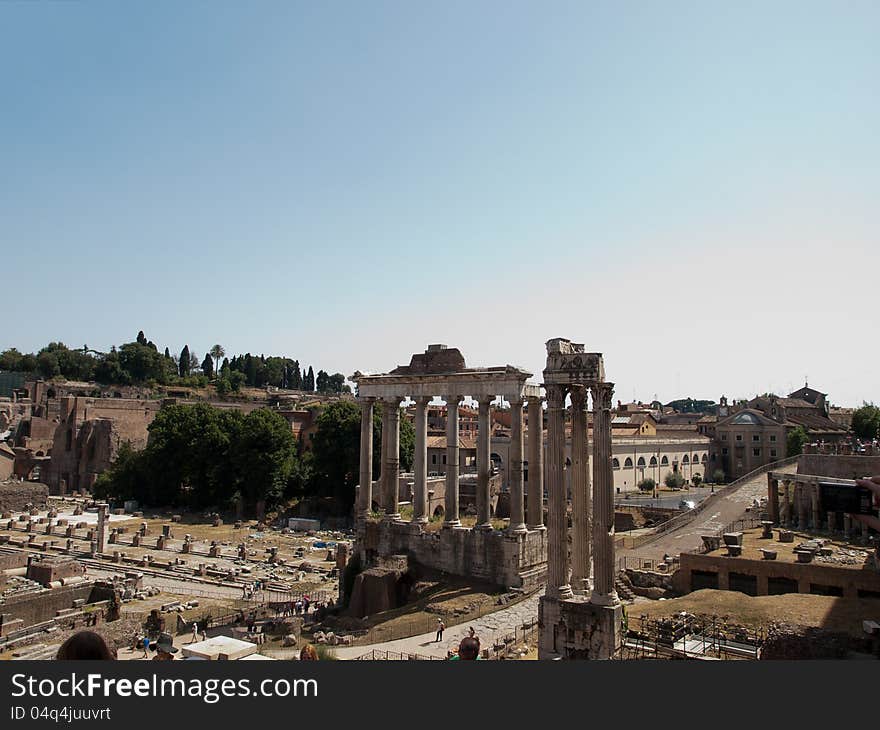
(557, 519)
(580, 493)
(366, 471)
(451, 506)
(484, 465)
(517, 502)
(536, 464)
(420, 462)
(603, 498)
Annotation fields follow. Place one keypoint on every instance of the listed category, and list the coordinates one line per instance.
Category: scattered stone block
(804, 556)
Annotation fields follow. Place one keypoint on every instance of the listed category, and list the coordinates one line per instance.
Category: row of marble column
(390, 465)
(797, 506)
(588, 546)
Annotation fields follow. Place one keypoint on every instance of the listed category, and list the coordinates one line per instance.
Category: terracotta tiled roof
(439, 442)
(815, 423)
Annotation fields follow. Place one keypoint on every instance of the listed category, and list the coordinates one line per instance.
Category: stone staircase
(623, 590)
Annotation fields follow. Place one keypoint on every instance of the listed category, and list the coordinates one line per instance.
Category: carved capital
(555, 397)
(578, 396)
(602, 393)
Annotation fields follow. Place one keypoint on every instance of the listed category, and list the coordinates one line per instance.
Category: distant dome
(746, 419)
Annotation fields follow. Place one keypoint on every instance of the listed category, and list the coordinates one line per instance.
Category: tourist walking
(195, 632)
(440, 627)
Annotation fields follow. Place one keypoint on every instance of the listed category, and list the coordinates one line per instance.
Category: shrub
(673, 480)
(647, 485)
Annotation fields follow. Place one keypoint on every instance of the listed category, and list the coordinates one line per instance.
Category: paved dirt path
(487, 627)
(719, 512)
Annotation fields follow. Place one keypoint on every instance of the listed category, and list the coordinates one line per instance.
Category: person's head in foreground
(308, 653)
(164, 648)
(86, 645)
(469, 648)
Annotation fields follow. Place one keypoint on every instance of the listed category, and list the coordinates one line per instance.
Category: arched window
(615, 464)
(696, 459)
(705, 459)
(653, 461)
(685, 459)
(628, 463)
(664, 461)
(641, 461)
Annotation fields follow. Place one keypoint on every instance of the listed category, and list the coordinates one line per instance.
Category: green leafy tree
(718, 476)
(335, 448)
(142, 363)
(217, 353)
(794, 443)
(11, 359)
(208, 366)
(647, 485)
(236, 380)
(866, 422)
(184, 362)
(109, 370)
(673, 480)
(696, 480)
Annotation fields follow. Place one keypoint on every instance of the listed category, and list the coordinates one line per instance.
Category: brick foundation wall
(804, 575)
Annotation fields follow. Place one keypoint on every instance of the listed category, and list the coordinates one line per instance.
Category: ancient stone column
(847, 526)
(801, 497)
(420, 462)
(557, 519)
(773, 498)
(580, 493)
(536, 464)
(391, 470)
(366, 465)
(515, 472)
(603, 498)
(814, 505)
(451, 506)
(786, 503)
(103, 510)
(484, 465)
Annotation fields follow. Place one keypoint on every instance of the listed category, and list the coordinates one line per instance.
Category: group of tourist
(90, 645)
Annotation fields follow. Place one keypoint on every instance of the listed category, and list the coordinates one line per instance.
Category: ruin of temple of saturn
(580, 615)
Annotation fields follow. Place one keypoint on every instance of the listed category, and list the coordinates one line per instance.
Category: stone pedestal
(576, 628)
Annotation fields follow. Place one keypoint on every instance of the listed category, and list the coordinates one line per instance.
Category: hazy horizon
(690, 190)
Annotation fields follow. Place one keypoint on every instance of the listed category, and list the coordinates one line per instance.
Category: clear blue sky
(690, 188)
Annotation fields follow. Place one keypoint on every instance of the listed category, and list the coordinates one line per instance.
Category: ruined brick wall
(804, 575)
(15, 495)
(840, 467)
(36, 608)
(488, 555)
(90, 434)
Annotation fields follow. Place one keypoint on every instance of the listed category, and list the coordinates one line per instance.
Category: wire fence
(687, 636)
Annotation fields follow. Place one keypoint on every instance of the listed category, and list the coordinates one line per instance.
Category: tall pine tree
(183, 362)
